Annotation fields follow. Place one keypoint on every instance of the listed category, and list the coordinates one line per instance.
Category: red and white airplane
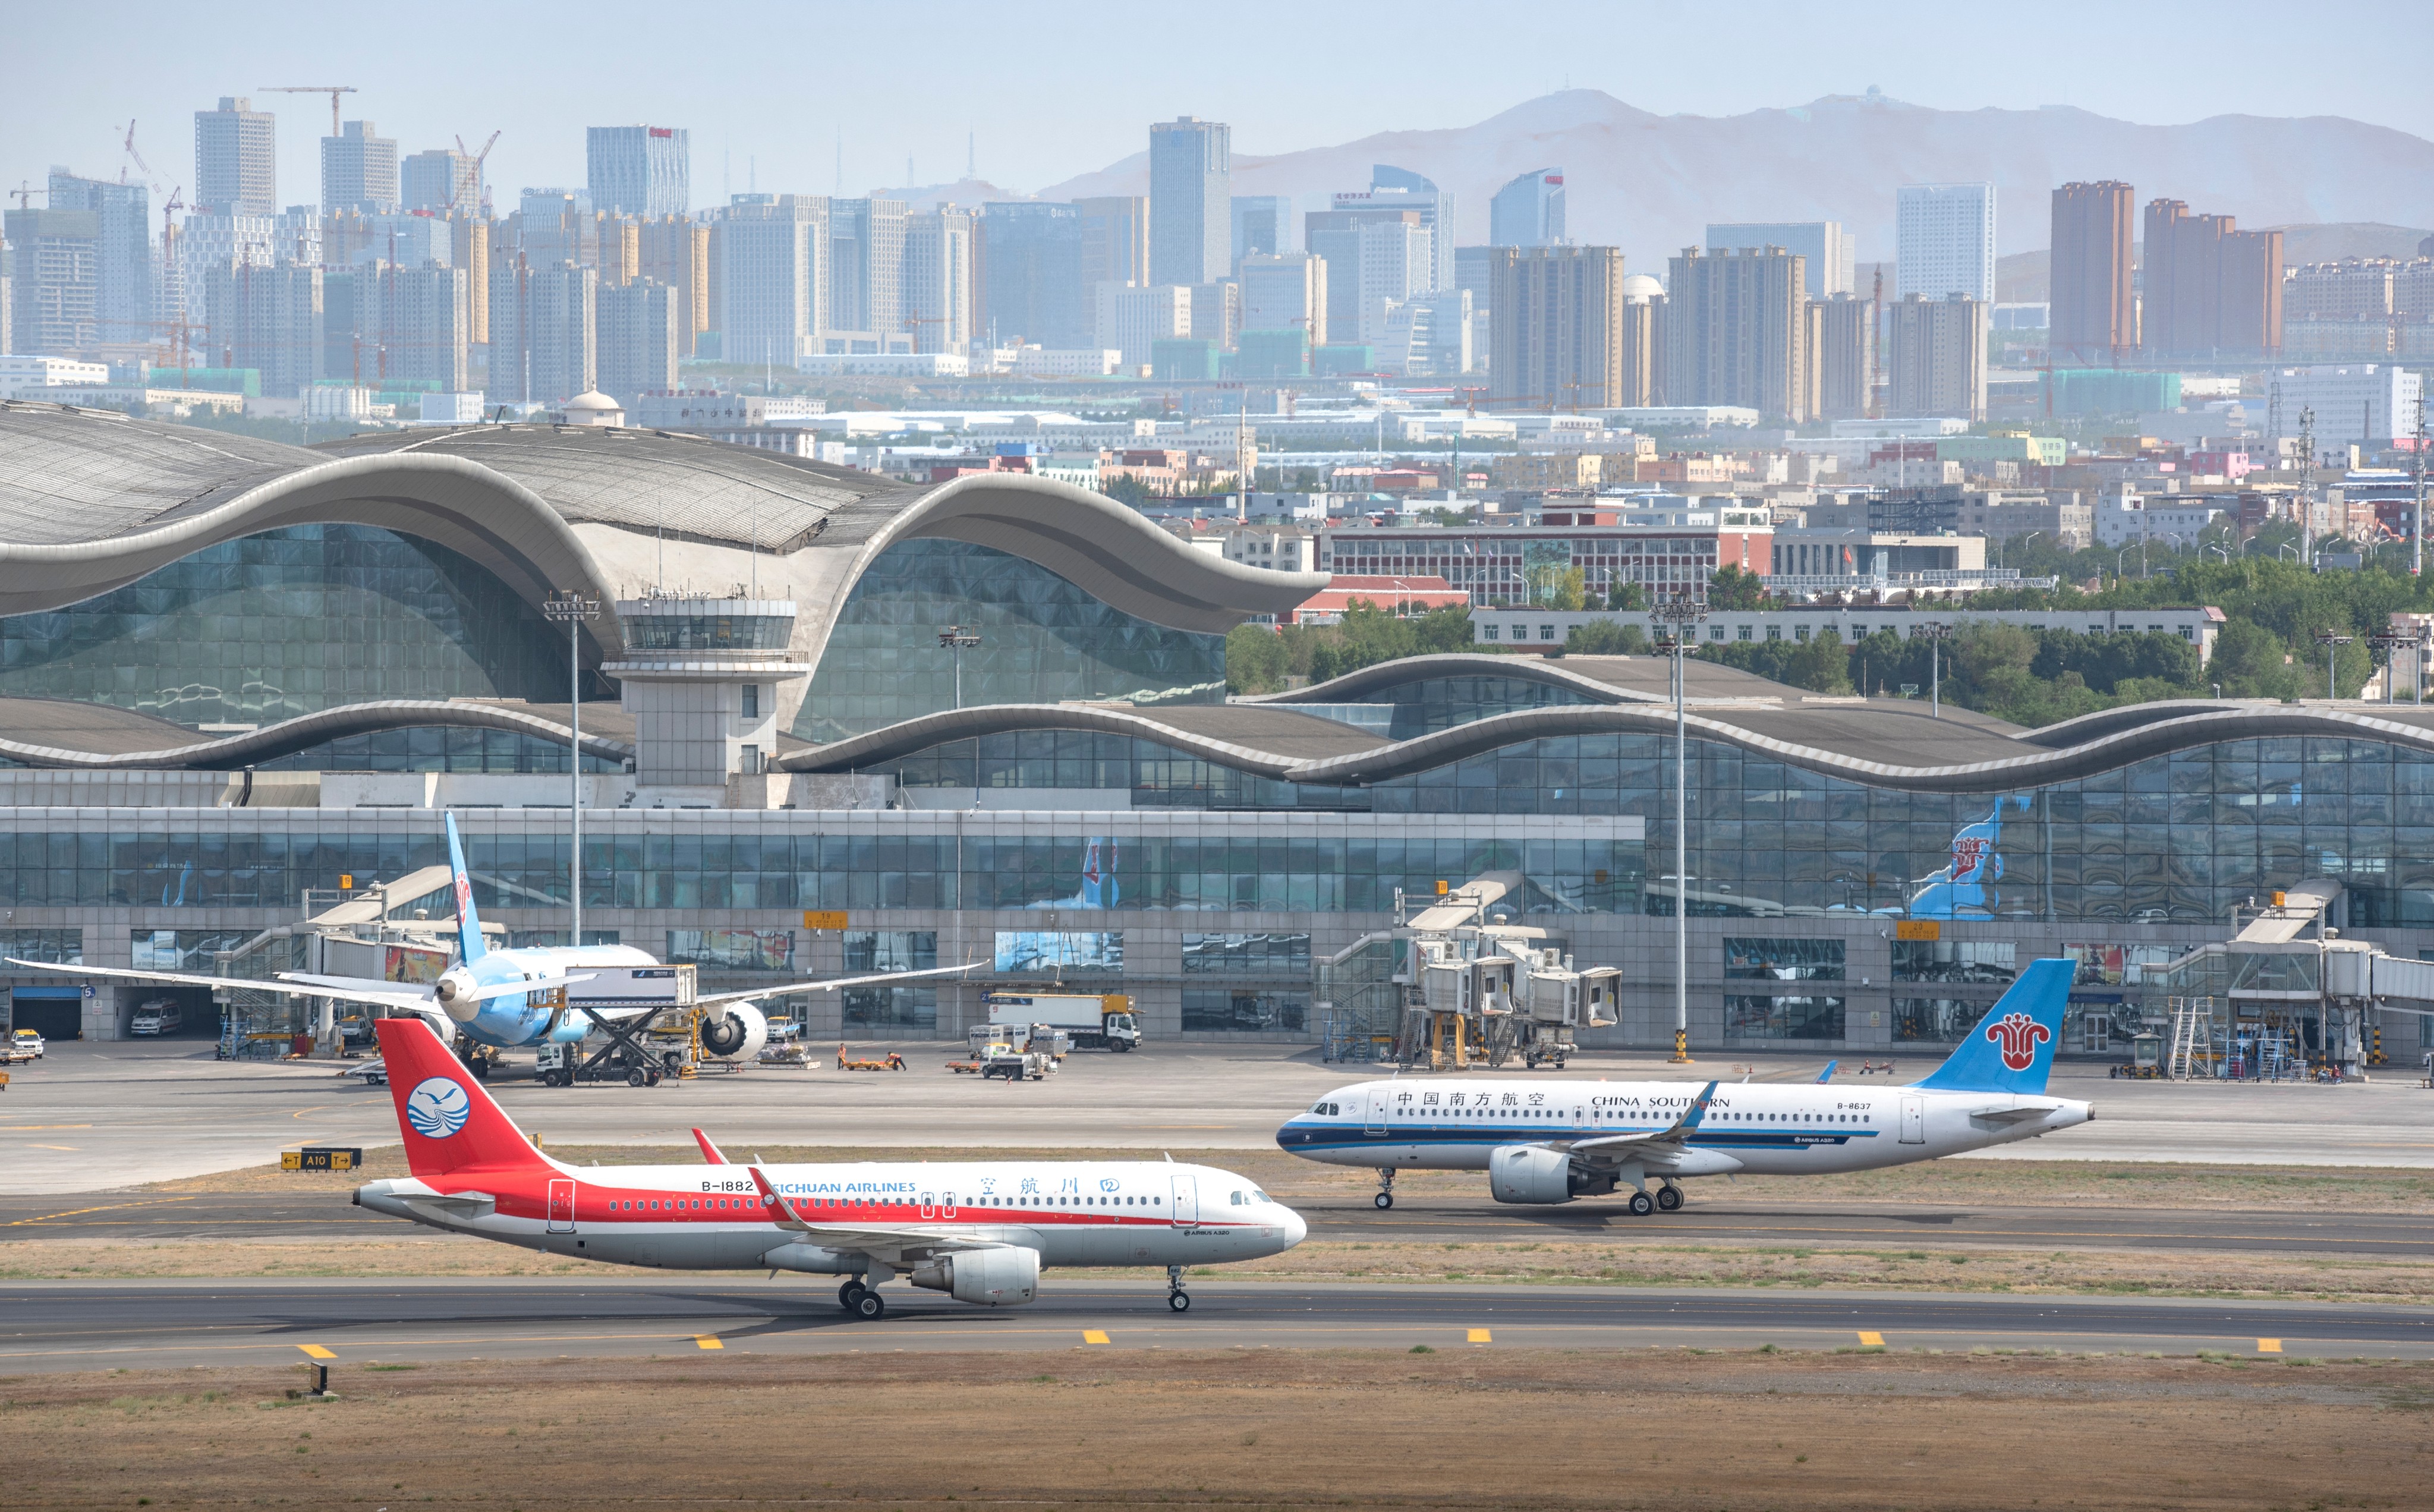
(978, 1231)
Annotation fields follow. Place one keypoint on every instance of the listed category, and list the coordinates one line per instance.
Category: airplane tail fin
(469, 923)
(449, 1121)
(2011, 1049)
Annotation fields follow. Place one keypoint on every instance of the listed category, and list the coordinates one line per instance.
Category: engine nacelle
(736, 1032)
(1001, 1276)
(1533, 1174)
(457, 993)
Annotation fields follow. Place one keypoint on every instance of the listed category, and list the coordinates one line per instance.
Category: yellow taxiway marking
(709, 1341)
(74, 1212)
(301, 1111)
(1871, 1339)
(1479, 1336)
(68, 1147)
(1094, 1335)
(2268, 1345)
(33, 1128)
(317, 1352)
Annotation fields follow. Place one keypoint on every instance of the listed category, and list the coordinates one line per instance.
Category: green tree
(1565, 590)
(1604, 638)
(1732, 588)
(1255, 658)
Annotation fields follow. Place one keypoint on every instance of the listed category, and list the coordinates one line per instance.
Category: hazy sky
(1050, 89)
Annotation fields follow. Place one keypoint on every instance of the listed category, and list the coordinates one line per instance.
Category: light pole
(2390, 642)
(1678, 617)
(573, 609)
(1935, 632)
(958, 639)
(2332, 642)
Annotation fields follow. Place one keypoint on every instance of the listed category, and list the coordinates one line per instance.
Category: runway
(64, 1326)
(1714, 1216)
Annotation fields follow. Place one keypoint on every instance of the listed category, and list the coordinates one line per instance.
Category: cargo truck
(1093, 1021)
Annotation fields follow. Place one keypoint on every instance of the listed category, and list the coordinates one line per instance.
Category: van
(158, 1016)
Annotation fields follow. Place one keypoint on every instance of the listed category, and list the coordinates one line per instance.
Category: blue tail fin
(2011, 1049)
(469, 924)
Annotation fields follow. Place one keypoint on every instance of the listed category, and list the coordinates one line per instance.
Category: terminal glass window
(733, 950)
(1783, 960)
(1937, 1021)
(894, 1006)
(1955, 960)
(1156, 775)
(290, 622)
(436, 748)
(1246, 954)
(63, 947)
(1044, 640)
(1800, 1018)
(1026, 951)
(1228, 1010)
(184, 950)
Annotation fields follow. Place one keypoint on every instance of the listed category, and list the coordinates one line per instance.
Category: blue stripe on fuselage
(1305, 1138)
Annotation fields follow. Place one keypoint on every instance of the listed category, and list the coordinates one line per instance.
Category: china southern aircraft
(978, 1231)
(1559, 1141)
(510, 999)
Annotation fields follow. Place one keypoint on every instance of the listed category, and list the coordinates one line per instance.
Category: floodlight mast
(573, 609)
(1677, 616)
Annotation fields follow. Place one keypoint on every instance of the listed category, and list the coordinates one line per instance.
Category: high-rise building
(1556, 326)
(1191, 200)
(553, 226)
(638, 329)
(1827, 250)
(1393, 188)
(865, 267)
(1131, 319)
(1846, 356)
(675, 250)
(772, 252)
(1528, 212)
(938, 280)
(2369, 403)
(645, 171)
(1286, 291)
(2095, 314)
(1944, 240)
(565, 330)
(442, 179)
(1935, 356)
(358, 169)
(1374, 253)
(269, 319)
(2208, 288)
(236, 159)
(208, 240)
(1643, 340)
(1738, 331)
(425, 324)
(1263, 225)
(124, 278)
(1029, 277)
(1115, 240)
(1217, 313)
(56, 283)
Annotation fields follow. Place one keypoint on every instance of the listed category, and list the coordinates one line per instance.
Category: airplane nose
(1295, 1229)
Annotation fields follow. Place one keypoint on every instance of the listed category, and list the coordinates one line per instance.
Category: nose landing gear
(1178, 1298)
(1385, 1197)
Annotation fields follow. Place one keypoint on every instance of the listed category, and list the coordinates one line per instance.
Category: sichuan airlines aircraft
(1557, 1141)
(513, 997)
(978, 1231)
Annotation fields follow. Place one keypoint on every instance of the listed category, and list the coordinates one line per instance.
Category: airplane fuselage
(515, 1021)
(1453, 1123)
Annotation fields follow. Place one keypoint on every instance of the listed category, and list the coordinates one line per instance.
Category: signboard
(320, 1158)
(1917, 929)
(813, 919)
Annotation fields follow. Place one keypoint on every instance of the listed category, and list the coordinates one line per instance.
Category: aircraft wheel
(1669, 1198)
(638, 1078)
(848, 1293)
(1642, 1203)
(1384, 1199)
(1179, 1301)
(869, 1307)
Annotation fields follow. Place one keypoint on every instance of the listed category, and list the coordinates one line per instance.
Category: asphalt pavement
(67, 1326)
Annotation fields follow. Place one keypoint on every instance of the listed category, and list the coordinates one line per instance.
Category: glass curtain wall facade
(1044, 640)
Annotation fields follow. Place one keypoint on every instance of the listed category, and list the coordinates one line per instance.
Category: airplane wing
(829, 985)
(1657, 1151)
(896, 1246)
(382, 994)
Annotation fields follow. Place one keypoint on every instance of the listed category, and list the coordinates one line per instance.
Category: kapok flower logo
(2018, 1036)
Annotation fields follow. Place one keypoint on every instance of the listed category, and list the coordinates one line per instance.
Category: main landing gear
(1176, 1298)
(1668, 1197)
(1385, 1197)
(862, 1301)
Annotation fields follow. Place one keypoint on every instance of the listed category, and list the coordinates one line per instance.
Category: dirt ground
(1455, 1429)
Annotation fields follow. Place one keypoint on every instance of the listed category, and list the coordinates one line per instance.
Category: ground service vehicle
(978, 1231)
(1095, 1020)
(29, 1042)
(160, 1016)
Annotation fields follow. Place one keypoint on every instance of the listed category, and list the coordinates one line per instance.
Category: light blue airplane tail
(2011, 1049)
(469, 924)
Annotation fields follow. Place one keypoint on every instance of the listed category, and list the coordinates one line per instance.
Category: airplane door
(561, 1207)
(1187, 1202)
(1913, 1121)
(1374, 1119)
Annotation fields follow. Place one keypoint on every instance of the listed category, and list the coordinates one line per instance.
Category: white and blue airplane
(516, 999)
(1552, 1143)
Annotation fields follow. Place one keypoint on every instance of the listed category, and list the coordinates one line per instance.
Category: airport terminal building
(835, 724)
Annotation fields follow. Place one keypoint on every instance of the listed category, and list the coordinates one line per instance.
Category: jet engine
(736, 1032)
(1000, 1275)
(458, 994)
(1533, 1172)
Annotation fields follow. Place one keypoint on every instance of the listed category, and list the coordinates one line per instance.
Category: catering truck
(1093, 1021)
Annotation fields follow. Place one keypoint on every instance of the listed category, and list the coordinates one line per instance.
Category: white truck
(1093, 1021)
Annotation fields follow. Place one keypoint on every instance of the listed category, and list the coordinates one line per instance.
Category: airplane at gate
(512, 998)
(1552, 1142)
(978, 1231)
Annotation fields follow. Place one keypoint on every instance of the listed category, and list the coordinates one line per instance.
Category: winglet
(787, 1217)
(1827, 1075)
(1698, 1109)
(708, 1151)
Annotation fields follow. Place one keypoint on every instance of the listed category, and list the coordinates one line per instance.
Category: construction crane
(470, 176)
(24, 192)
(333, 91)
(150, 179)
